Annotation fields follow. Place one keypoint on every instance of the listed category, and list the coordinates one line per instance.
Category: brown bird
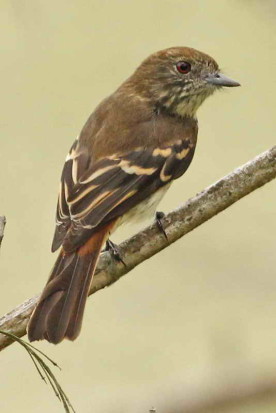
(135, 143)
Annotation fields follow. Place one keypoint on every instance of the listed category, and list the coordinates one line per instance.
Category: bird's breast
(145, 209)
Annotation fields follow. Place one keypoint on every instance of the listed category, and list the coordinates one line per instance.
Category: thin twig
(3, 222)
(150, 241)
(43, 370)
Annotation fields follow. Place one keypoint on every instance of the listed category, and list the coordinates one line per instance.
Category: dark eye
(183, 67)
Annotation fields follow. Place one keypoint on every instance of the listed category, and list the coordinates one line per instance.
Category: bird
(133, 146)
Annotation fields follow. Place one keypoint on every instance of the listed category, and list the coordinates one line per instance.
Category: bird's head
(179, 79)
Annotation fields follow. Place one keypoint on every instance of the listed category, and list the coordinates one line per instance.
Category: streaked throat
(186, 104)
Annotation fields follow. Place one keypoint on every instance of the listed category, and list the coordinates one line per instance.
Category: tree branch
(150, 241)
(2, 228)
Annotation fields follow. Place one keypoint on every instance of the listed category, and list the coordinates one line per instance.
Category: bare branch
(2, 228)
(150, 241)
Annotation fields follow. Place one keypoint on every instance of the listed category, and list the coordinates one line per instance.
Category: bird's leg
(158, 218)
(114, 251)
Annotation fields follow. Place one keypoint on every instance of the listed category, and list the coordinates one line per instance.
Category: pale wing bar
(113, 186)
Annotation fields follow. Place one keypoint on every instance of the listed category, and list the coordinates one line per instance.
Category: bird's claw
(158, 218)
(114, 251)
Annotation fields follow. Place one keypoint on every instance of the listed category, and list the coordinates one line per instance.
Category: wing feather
(112, 186)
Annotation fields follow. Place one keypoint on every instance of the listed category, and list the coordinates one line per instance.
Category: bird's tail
(60, 309)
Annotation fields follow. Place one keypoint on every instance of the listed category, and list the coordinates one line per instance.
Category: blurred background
(197, 318)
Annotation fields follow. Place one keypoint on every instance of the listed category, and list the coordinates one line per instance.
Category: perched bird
(135, 143)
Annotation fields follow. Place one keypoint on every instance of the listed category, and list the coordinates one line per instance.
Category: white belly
(146, 209)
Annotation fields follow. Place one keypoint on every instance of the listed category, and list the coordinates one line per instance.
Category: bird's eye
(183, 67)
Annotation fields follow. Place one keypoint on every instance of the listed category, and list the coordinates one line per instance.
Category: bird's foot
(114, 251)
(158, 218)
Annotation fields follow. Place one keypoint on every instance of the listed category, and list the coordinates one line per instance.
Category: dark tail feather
(60, 309)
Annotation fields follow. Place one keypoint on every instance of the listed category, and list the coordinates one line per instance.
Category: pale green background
(200, 313)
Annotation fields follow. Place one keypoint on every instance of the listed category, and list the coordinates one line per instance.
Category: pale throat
(186, 105)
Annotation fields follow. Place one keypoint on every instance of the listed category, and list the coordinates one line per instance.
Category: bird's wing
(112, 186)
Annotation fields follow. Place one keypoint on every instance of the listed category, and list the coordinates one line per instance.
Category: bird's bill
(220, 79)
